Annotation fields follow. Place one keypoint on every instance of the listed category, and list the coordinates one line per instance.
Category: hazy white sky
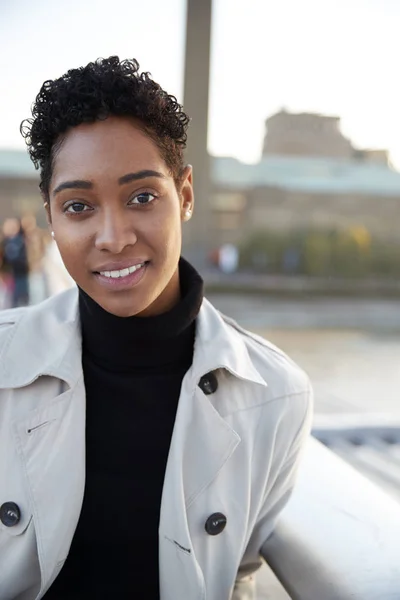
(332, 56)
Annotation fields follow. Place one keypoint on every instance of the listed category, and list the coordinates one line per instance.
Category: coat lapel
(202, 443)
(54, 474)
(40, 363)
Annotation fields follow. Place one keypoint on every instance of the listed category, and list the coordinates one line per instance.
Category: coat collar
(220, 344)
(41, 340)
(45, 340)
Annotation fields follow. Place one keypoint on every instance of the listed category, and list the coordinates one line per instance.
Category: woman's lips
(119, 265)
(124, 282)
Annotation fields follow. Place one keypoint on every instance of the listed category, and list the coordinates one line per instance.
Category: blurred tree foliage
(349, 253)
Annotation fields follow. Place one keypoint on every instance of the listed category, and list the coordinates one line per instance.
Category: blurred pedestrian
(15, 261)
(228, 258)
(151, 442)
(5, 280)
(35, 248)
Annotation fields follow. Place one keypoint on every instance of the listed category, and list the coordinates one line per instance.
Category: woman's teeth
(123, 272)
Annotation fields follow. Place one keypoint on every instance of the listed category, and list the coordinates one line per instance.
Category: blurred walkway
(299, 284)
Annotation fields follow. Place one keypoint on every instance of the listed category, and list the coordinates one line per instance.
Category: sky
(337, 57)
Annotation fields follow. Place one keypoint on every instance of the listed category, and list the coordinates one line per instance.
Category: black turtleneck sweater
(133, 369)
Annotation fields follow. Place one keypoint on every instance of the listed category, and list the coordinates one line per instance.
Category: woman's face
(116, 216)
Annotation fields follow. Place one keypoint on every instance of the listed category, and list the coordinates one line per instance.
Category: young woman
(147, 443)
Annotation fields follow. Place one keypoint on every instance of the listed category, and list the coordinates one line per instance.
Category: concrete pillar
(197, 233)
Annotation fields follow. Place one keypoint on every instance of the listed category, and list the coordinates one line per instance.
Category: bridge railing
(339, 536)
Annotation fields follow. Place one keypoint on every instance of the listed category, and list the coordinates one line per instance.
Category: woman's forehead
(115, 146)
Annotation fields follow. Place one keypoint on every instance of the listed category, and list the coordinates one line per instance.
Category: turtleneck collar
(125, 344)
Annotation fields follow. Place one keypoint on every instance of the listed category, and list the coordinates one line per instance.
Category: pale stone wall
(284, 210)
(306, 134)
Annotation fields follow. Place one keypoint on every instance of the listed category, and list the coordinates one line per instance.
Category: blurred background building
(309, 176)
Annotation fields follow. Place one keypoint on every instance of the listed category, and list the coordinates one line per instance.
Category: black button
(10, 514)
(215, 524)
(208, 383)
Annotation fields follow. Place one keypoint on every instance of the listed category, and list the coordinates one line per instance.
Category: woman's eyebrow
(87, 185)
(73, 185)
(140, 175)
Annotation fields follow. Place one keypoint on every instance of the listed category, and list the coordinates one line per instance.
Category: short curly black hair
(108, 86)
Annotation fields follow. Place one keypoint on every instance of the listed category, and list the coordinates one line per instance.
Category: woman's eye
(77, 207)
(143, 198)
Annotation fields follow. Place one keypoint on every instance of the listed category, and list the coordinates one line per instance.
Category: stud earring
(188, 213)
(52, 235)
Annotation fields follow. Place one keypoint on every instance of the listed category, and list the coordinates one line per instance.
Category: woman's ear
(46, 204)
(48, 215)
(186, 193)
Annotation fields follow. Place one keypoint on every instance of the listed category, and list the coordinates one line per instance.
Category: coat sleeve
(275, 498)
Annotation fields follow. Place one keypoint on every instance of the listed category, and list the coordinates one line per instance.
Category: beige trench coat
(235, 451)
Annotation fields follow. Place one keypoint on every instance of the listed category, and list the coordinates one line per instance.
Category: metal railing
(339, 536)
(371, 443)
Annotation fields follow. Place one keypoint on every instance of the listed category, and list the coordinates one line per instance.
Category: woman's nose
(115, 233)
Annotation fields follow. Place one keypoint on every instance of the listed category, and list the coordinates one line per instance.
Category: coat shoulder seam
(305, 392)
